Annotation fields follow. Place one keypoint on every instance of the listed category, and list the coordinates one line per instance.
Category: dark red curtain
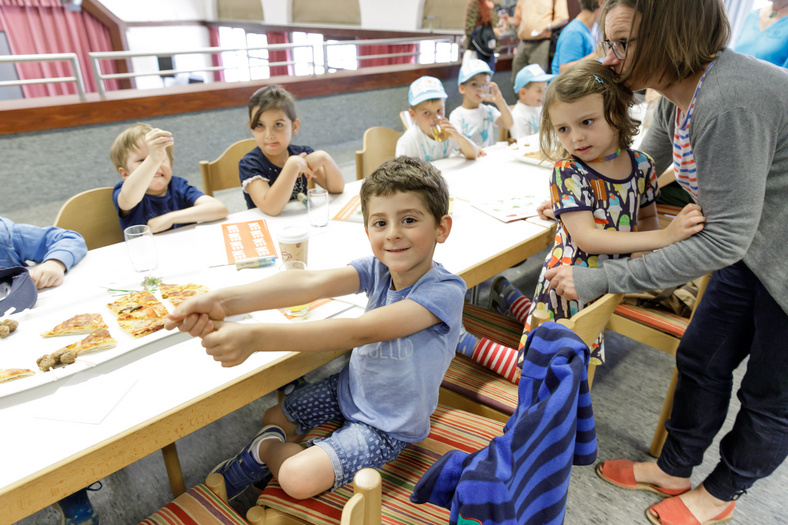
(216, 58)
(282, 55)
(383, 50)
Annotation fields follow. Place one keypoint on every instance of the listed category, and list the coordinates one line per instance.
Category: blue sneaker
(243, 470)
(76, 508)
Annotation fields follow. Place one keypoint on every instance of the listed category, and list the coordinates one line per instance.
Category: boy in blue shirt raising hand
(402, 345)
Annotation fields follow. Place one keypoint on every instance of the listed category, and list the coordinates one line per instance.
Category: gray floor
(627, 397)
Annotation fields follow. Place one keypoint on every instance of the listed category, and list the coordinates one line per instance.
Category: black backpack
(483, 40)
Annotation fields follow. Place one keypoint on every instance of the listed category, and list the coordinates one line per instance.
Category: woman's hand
(562, 281)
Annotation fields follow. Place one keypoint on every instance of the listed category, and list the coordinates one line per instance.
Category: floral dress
(575, 186)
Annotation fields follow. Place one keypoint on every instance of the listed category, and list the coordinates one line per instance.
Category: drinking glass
(438, 133)
(317, 207)
(301, 309)
(487, 92)
(142, 248)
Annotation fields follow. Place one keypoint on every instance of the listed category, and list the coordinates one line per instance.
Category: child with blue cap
(529, 86)
(432, 137)
(475, 120)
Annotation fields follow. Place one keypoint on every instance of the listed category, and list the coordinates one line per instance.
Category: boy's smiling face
(471, 90)
(161, 180)
(403, 234)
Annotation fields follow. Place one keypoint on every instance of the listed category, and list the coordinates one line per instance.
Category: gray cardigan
(739, 135)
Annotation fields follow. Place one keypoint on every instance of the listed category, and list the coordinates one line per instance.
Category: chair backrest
(379, 145)
(222, 173)
(92, 214)
(364, 508)
(589, 322)
(407, 120)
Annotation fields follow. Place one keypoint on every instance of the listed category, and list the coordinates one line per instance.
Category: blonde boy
(529, 86)
(426, 97)
(149, 193)
(403, 343)
(475, 120)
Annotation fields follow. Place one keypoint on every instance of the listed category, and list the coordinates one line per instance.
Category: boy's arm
(505, 120)
(326, 172)
(581, 227)
(232, 343)
(272, 198)
(206, 208)
(467, 147)
(136, 184)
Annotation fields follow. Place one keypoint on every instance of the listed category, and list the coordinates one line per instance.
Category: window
(431, 52)
(243, 66)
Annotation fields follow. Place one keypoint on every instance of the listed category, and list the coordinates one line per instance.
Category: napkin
(85, 398)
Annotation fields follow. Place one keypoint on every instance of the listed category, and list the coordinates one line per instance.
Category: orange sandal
(672, 511)
(619, 472)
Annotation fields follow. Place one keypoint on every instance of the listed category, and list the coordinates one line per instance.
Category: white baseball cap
(425, 88)
(530, 73)
(471, 68)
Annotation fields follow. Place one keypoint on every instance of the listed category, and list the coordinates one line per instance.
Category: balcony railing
(56, 57)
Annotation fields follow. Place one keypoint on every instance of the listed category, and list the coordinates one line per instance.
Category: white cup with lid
(294, 243)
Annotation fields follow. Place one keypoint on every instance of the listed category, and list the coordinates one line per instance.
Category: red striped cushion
(660, 319)
(197, 506)
(453, 428)
(482, 322)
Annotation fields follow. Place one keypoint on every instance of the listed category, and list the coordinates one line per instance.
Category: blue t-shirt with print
(256, 165)
(575, 42)
(180, 195)
(393, 385)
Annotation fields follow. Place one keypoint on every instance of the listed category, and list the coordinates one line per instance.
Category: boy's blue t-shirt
(256, 165)
(180, 195)
(393, 385)
(575, 42)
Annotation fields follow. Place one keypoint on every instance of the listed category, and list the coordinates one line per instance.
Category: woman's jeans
(736, 318)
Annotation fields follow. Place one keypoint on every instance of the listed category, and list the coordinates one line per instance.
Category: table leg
(173, 465)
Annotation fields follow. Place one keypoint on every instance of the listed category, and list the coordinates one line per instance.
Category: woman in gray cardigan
(723, 122)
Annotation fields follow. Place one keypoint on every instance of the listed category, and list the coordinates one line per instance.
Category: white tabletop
(160, 391)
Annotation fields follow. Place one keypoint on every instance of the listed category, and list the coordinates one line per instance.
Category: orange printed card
(351, 211)
(244, 240)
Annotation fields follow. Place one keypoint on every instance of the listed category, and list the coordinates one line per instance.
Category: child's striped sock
(498, 358)
(516, 303)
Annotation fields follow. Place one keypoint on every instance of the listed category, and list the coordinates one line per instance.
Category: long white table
(170, 388)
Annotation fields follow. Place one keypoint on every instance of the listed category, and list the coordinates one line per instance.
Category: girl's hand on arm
(545, 211)
(272, 198)
(326, 172)
(687, 223)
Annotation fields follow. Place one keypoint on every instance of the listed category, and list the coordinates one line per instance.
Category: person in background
(724, 117)
(276, 171)
(403, 343)
(765, 34)
(54, 249)
(529, 86)
(432, 137)
(576, 42)
(535, 21)
(473, 119)
(481, 13)
(149, 193)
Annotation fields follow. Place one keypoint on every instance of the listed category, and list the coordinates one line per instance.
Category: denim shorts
(354, 445)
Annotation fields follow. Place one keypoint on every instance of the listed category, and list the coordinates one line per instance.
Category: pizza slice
(177, 293)
(9, 374)
(79, 324)
(151, 311)
(97, 340)
(141, 327)
(133, 301)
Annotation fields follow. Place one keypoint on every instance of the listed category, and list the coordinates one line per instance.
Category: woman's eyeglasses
(619, 47)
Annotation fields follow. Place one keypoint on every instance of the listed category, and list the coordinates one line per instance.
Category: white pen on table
(254, 262)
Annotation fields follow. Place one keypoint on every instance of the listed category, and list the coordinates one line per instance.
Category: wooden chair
(206, 504)
(379, 145)
(92, 214)
(222, 173)
(470, 386)
(661, 330)
(407, 120)
(450, 430)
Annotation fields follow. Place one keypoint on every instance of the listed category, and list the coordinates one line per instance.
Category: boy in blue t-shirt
(403, 343)
(149, 193)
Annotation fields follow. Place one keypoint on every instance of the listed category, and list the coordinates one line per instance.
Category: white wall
(400, 15)
(158, 10)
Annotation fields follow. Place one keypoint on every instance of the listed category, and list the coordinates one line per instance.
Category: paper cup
(294, 243)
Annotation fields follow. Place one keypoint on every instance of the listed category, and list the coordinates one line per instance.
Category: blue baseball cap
(17, 289)
(425, 88)
(471, 68)
(528, 74)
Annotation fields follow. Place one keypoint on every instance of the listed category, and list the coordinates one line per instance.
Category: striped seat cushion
(197, 506)
(450, 429)
(660, 319)
(474, 381)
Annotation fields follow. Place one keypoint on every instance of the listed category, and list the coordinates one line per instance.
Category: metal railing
(312, 63)
(55, 57)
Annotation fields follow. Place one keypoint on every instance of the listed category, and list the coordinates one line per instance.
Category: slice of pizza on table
(9, 374)
(79, 324)
(139, 313)
(97, 340)
(177, 293)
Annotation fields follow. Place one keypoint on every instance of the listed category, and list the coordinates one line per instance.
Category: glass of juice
(302, 309)
(437, 131)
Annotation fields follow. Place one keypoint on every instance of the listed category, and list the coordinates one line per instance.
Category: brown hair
(587, 78)
(675, 38)
(128, 140)
(484, 17)
(407, 174)
(589, 5)
(271, 97)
